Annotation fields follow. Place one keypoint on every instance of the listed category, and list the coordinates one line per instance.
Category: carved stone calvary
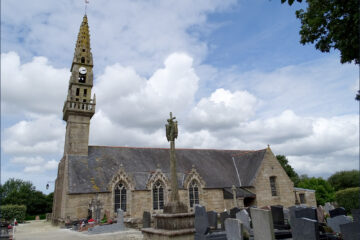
(174, 205)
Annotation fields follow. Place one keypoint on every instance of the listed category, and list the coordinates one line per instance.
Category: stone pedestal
(177, 226)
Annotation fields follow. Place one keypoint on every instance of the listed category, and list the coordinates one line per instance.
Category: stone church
(136, 179)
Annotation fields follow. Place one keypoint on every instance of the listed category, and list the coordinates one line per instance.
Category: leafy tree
(345, 179)
(348, 198)
(19, 192)
(324, 192)
(331, 24)
(288, 169)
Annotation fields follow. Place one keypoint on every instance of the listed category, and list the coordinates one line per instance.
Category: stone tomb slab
(213, 219)
(119, 226)
(309, 213)
(262, 224)
(335, 222)
(305, 229)
(350, 231)
(278, 215)
(201, 222)
(233, 212)
(223, 217)
(234, 229)
(337, 212)
(243, 216)
(356, 215)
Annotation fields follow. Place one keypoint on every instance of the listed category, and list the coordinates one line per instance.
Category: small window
(85, 92)
(83, 60)
(158, 196)
(120, 197)
(273, 186)
(77, 91)
(77, 99)
(302, 198)
(193, 193)
(83, 49)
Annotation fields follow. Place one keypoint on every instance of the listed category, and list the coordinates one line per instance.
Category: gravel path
(41, 230)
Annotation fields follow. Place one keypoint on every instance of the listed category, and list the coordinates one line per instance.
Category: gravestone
(305, 229)
(146, 219)
(233, 229)
(213, 219)
(292, 210)
(320, 214)
(335, 222)
(350, 231)
(233, 212)
(328, 206)
(306, 213)
(277, 215)
(223, 217)
(243, 216)
(356, 215)
(337, 212)
(201, 222)
(286, 215)
(109, 228)
(120, 218)
(262, 224)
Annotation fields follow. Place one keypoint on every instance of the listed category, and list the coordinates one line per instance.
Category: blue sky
(233, 72)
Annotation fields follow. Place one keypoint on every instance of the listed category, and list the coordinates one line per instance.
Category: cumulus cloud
(35, 87)
(223, 109)
(132, 110)
(144, 34)
(42, 135)
(133, 101)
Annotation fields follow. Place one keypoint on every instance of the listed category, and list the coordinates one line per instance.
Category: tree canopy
(331, 24)
(345, 179)
(288, 169)
(19, 192)
(324, 192)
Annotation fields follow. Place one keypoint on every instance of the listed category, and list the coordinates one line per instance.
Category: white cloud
(223, 109)
(27, 160)
(34, 88)
(144, 34)
(133, 101)
(42, 135)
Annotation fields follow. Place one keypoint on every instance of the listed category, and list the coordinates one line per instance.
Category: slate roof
(93, 173)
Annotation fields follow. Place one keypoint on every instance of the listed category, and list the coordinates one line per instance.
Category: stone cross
(171, 134)
(174, 205)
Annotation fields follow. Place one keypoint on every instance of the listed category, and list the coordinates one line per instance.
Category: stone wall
(310, 199)
(284, 186)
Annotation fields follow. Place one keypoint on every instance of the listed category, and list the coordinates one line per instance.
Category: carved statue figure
(171, 128)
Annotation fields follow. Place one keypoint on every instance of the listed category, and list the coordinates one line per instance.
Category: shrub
(348, 198)
(10, 212)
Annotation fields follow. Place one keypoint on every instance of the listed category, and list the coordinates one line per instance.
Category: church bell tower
(79, 107)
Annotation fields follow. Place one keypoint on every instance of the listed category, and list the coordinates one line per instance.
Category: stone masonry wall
(285, 187)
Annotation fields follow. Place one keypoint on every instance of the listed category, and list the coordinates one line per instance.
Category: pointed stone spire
(79, 107)
(83, 53)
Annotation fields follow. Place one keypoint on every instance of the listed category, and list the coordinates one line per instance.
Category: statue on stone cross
(171, 128)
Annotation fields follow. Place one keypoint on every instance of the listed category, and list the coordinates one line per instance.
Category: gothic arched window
(158, 196)
(120, 197)
(193, 193)
(83, 60)
(273, 186)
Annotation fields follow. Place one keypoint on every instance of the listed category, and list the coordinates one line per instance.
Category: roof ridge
(243, 151)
